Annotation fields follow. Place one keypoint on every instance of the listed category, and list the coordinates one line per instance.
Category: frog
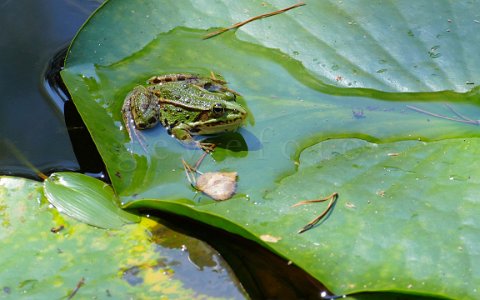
(186, 105)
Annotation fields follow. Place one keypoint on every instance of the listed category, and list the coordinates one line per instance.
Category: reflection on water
(185, 255)
(30, 118)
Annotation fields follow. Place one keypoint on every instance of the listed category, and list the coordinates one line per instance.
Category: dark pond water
(31, 115)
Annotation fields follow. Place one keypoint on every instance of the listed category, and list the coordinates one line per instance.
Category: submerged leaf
(144, 259)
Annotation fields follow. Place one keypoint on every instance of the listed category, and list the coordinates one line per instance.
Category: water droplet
(433, 53)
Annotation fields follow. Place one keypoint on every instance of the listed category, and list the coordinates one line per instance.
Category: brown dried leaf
(218, 185)
(270, 238)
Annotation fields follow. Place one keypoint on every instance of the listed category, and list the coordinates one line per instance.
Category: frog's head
(222, 116)
(144, 108)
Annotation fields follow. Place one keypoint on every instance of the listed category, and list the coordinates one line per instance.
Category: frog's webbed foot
(215, 87)
(218, 88)
(182, 134)
(207, 147)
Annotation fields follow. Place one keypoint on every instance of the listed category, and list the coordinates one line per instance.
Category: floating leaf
(86, 199)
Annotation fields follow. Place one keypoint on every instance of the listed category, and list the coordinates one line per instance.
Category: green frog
(186, 105)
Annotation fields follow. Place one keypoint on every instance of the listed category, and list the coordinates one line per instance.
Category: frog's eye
(208, 87)
(218, 109)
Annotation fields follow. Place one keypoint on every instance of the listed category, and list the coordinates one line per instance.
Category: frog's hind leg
(215, 88)
(183, 134)
(171, 78)
(212, 84)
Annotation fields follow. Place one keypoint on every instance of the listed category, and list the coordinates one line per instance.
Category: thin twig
(188, 173)
(191, 171)
(21, 157)
(199, 161)
(79, 285)
(466, 121)
(457, 113)
(333, 198)
(314, 201)
(240, 24)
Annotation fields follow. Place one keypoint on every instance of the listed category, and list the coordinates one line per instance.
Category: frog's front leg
(127, 116)
(182, 133)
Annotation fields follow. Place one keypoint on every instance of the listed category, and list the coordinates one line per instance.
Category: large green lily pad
(326, 86)
(45, 255)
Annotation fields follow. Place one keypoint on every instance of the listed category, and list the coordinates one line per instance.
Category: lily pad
(47, 255)
(326, 86)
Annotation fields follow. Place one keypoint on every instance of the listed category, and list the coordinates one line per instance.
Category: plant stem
(240, 24)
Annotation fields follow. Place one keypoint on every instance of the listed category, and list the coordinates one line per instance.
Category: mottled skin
(186, 105)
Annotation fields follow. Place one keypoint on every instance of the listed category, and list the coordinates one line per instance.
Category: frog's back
(179, 103)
